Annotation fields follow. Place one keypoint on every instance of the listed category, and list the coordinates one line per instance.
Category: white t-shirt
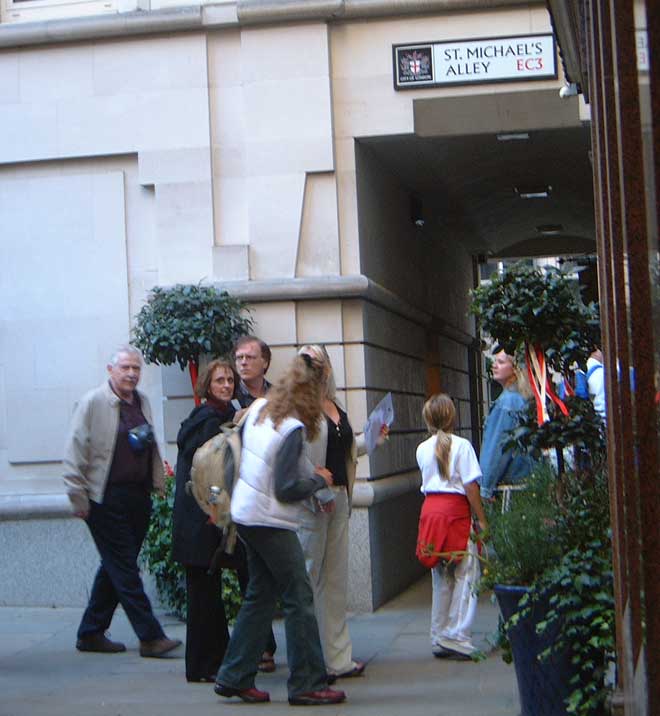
(463, 466)
(596, 383)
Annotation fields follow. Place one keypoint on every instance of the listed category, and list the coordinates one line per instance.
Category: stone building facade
(240, 144)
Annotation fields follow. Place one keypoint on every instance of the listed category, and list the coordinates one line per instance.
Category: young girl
(450, 471)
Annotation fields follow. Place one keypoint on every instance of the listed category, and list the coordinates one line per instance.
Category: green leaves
(582, 429)
(556, 539)
(156, 554)
(170, 577)
(542, 307)
(524, 539)
(580, 591)
(179, 323)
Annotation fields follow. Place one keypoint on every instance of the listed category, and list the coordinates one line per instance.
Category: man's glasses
(246, 357)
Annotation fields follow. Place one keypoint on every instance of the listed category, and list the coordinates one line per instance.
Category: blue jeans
(277, 568)
(119, 526)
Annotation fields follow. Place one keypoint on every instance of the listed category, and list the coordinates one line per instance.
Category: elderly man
(252, 358)
(111, 466)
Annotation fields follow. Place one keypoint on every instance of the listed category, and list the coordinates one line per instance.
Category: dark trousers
(207, 634)
(118, 527)
(239, 562)
(277, 568)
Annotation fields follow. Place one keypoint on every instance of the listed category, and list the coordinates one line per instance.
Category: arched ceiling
(474, 183)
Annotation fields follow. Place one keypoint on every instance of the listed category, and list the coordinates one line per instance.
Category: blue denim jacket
(498, 465)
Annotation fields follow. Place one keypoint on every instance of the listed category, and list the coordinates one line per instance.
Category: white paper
(382, 414)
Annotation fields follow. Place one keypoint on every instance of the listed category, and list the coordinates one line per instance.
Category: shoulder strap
(592, 370)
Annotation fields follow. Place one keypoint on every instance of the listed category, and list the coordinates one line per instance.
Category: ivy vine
(169, 575)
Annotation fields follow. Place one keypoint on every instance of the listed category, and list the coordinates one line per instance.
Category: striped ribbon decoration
(541, 386)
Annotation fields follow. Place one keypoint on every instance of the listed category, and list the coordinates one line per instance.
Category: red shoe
(318, 698)
(250, 696)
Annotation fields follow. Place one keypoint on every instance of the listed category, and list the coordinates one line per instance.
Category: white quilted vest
(253, 501)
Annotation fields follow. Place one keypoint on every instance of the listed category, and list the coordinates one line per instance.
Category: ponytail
(439, 414)
(442, 449)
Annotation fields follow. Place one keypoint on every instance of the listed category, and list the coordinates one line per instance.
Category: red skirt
(444, 526)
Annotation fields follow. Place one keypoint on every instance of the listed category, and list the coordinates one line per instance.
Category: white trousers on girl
(454, 603)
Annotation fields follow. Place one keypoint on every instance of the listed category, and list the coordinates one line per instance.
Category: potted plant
(538, 315)
(180, 323)
(551, 569)
(549, 565)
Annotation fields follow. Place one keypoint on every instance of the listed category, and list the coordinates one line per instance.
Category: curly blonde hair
(298, 394)
(439, 414)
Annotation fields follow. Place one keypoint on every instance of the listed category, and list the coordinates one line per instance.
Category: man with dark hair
(252, 359)
(111, 466)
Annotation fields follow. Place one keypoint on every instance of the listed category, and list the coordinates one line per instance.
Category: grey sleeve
(292, 481)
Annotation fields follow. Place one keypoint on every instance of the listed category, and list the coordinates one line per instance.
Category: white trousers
(454, 603)
(324, 539)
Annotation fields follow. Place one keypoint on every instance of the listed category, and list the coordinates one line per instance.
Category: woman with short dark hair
(194, 540)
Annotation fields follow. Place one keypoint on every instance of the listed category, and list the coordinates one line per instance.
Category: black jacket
(194, 540)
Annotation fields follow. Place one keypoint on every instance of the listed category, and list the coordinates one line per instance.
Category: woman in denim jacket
(499, 465)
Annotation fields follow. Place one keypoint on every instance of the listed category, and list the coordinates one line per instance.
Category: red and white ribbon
(538, 380)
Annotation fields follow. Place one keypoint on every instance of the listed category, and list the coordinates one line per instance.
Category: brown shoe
(99, 643)
(266, 665)
(323, 697)
(357, 670)
(158, 648)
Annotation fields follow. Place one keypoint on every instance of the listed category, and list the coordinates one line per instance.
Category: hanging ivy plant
(182, 322)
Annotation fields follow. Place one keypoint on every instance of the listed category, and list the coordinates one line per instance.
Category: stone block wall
(232, 154)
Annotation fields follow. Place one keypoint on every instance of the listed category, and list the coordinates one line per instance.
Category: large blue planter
(542, 686)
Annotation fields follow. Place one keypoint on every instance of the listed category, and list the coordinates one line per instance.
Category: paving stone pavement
(42, 674)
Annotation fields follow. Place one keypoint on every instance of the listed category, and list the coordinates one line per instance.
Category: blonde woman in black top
(324, 530)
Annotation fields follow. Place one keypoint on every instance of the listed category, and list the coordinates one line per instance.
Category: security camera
(568, 90)
(416, 211)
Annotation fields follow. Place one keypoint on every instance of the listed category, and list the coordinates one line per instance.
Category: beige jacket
(90, 447)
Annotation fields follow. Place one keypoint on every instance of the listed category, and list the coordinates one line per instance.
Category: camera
(141, 437)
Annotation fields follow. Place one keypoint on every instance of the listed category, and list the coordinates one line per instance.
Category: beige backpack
(215, 468)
